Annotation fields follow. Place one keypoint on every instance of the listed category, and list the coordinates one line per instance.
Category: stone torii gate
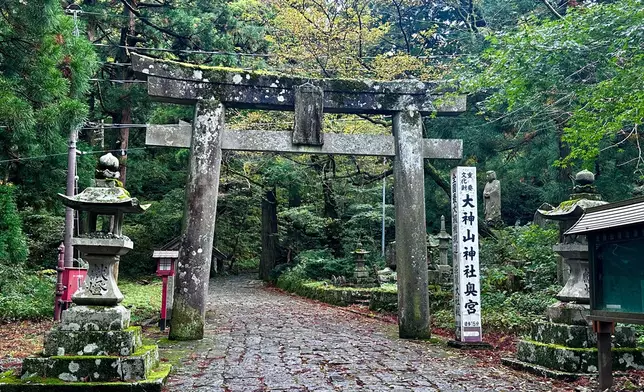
(212, 89)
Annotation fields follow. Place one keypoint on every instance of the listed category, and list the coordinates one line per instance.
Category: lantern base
(95, 345)
(95, 318)
(154, 383)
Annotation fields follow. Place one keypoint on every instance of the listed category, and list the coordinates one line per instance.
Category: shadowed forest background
(554, 87)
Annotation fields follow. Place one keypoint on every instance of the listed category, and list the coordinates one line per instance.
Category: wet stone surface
(262, 340)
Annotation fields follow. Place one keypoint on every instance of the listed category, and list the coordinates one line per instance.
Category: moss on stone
(154, 382)
(187, 322)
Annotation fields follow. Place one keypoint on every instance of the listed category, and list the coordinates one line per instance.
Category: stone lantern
(94, 342)
(563, 344)
(361, 273)
(574, 249)
(444, 269)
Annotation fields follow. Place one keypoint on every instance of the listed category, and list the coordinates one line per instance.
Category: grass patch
(142, 298)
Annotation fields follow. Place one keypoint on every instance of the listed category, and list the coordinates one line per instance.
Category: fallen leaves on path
(20, 339)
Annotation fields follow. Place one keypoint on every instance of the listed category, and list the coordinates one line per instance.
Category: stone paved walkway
(262, 340)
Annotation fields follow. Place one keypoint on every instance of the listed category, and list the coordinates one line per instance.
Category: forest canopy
(554, 86)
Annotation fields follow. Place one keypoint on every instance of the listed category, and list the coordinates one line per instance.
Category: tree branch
(552, 9)
(147, 22)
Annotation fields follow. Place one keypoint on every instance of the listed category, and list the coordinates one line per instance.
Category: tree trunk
(269, 254)
(333, 229)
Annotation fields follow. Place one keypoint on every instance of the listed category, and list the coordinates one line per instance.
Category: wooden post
(411, 248)
(191, 289)
(604, 330)
(164, 303)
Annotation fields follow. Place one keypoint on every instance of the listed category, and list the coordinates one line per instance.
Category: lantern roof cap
(107, 199)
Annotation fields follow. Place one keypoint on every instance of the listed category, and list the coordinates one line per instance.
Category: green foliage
(573, 75)
(44, 74)
(44, 236)
(320, 265)
(519, 259)
(289, 278)
(13, 244)
(28, 296)
(157, 226)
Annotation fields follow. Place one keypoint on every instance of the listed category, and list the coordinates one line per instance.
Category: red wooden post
(60, 287)
(164, 298)
(165, 268)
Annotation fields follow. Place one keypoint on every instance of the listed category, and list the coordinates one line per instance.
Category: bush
(519, 259)
(29, 296)
(320, 265)
(292, 278)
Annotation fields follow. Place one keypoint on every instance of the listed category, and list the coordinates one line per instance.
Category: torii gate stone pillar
(212, 89)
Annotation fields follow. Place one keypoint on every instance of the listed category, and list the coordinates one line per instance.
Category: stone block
(576, 360)
(95, 318)
(61, 342)
(568, 313)
(575, 336)
(36, 384)
(571, 360)
(97, 368)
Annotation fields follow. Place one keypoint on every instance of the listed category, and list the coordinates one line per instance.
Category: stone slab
(95, 318)
(61, 342)
(539, 370)
(568, 313)
(469, 345)
(576, 360)
(35, 384)
(577, 336)
(281, 141)
(101, 368)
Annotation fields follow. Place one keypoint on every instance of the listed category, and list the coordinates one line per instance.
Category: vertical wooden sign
(465, 243)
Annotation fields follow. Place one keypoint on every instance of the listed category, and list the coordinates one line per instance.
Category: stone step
(60, 342)
(577, 336)
(101, 368)
(154, 383)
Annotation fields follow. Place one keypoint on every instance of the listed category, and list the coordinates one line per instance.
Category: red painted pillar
(60, 287)
(164, 299)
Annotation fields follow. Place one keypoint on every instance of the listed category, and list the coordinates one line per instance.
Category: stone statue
(108, 167)
(492, 198)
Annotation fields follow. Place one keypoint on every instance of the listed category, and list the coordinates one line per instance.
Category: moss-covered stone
(154, 383)
(577, 336)
(60, 342)
(576, 360)
(187, 322)
(94, 367)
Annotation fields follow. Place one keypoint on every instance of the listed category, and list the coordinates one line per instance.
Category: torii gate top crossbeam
(183, 83)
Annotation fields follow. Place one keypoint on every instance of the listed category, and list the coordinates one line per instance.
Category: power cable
(64, 153)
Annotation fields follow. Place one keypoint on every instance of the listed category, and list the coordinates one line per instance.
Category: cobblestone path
(262, 340)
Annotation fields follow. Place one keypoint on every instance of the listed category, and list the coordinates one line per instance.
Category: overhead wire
(64, 153)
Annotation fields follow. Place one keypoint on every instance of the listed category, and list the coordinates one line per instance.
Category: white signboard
(465, 243)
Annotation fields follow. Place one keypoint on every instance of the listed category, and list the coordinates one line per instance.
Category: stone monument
(441, 273)
(361, 275)
(564, 344)
(94, 347)
(492, 200)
